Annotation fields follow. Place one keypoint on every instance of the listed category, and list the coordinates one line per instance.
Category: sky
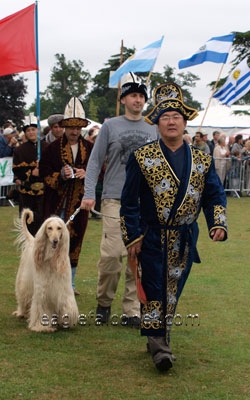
(93, 30)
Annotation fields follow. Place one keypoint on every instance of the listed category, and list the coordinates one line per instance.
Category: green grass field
(111, 362)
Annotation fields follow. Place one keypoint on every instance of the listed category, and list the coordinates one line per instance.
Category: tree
(67, 79)
(184, 80)
(241, 45)
(12, 92)
(92, 114)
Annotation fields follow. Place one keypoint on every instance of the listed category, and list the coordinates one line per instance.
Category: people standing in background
(246, 158)
(187, 138)
(237, 146)
(8, 142)
(221, 153)
(63, 167)
(27, 173)
(208, 142)
(56, 130)
(118, 137)
(200, 144)
(213, 142)
(92, 134)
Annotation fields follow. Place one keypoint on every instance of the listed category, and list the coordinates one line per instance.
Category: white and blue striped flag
(236, 85)
(214, 50)
(142, 61)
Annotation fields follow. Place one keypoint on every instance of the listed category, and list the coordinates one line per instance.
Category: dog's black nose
(54, 244)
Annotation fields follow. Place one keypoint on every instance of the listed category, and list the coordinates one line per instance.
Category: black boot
(103, 313)
(161, 354)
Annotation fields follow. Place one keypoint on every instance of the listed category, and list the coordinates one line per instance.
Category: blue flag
(215, 50)
(236, 85)
(142, 61)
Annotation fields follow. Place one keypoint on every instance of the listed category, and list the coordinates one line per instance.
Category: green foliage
(12, 92)
(241, 46)
(184, 80)
(67, 79)
(92, 114)
(111, 363)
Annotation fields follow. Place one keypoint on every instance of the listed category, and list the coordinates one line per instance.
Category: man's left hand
(218, 234)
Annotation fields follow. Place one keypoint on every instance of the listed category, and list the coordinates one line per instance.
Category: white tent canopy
(222, 118)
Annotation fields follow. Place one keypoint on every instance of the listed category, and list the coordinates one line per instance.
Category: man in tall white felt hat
(63, 167)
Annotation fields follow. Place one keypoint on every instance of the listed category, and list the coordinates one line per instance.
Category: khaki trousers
(110, 265)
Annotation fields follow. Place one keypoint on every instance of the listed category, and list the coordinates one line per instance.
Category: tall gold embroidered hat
(168, 97)
(74, 114)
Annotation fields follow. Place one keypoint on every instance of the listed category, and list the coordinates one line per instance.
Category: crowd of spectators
(232, 159)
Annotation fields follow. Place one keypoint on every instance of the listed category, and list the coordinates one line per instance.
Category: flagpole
(149, 76)
(213, 91)
(38, 108)
(119, 84)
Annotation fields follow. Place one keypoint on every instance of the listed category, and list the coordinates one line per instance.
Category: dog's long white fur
(43, 282)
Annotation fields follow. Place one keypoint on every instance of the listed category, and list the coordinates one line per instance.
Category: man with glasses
(167, 183)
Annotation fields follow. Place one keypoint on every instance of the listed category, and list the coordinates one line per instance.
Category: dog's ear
(39, 253)
(40, 246)
(62, 253)
(65, 239)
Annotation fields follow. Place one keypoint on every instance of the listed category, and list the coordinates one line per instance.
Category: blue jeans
(73, 274)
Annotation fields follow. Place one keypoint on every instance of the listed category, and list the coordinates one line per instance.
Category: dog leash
(103, 215)
(73, 215)
(93, 211)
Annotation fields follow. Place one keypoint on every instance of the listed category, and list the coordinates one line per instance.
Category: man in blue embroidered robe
(168, 182)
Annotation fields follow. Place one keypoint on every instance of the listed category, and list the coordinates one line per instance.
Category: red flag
(17, 42)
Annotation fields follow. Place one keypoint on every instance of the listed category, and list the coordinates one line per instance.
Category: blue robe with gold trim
(162, 209)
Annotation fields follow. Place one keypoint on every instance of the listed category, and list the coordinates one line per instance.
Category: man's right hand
(87, 204)
(134, 250)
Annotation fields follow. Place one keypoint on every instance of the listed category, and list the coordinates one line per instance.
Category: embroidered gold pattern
(220, 216)
(66, 153)
(152, 315)
(164, 186)
(124, 230)
(175, 105)
(53, 180)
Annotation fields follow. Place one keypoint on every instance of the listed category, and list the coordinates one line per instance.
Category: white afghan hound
(43, 284)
